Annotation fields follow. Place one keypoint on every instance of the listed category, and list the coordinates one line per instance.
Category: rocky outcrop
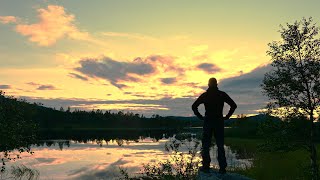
(214, 175)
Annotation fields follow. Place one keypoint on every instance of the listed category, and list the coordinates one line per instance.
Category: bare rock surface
(214, 175)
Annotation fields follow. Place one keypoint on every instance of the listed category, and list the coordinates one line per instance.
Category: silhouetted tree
(61, 109)
(294, 82)
(17, 128)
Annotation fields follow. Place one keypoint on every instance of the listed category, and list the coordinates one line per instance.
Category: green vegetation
(271, 165)
(294, 83)
(180, 165)
(20, 172)
(246, 127)
(17, 128)
(265, 165)
(248, 136)
(52, 119)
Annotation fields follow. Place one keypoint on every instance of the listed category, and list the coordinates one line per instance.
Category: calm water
(67, 159)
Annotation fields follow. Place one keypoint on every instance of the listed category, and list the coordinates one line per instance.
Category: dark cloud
(32, 83)
(165, 63)
(46, 87)
(114, 71)
(246, 89)
(118, 73)
(246, 83)
(209, 68)
(42, 86)
(118, 85)
(74, 75)
(4, 86)
(168, 80)
(140, 94)
(191, 84)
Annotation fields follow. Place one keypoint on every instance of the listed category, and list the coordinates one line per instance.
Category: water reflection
(100, 158)
(89, 135)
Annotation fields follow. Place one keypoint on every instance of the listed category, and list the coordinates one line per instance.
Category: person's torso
(213, 103)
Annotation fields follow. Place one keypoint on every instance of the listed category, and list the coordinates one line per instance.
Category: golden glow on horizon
(122, 106)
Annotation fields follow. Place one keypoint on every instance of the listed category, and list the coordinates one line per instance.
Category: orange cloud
(54, 24)
(8, 19)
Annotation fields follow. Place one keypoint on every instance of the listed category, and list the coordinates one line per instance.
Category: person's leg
(219, 136)
(206, 144)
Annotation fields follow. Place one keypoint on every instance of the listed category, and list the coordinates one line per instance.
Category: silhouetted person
(213, 100)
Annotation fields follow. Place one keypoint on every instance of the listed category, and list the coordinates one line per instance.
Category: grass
(288, 165)
(273, 165)
(20, 172)
(266, 165)
(243, 143)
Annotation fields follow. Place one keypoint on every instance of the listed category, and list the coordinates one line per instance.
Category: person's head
(212, 82)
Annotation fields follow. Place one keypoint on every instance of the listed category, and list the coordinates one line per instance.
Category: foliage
(279, 165)
(20, 172)
(180, 165)
(294, 83)
(51, 119)
(245, 127)
(17, 129)
(295, 79)
(290, 134)
(274, 164)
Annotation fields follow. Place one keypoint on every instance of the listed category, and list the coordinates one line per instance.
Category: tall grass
(20, 172)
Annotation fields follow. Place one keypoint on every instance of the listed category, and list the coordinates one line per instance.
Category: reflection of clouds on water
(49, 161)
(45, 160)
(77, 171)
(120, 162)
(40, 161)
(111, 172)
(147, 143)
(106, 172)
(90, 161)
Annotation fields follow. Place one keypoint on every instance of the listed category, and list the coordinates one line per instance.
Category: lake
(101, 159)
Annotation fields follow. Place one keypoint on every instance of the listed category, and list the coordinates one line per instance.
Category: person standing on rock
(213, 100)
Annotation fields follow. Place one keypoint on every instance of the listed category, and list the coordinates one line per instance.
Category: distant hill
(251, 119)
(190, 118)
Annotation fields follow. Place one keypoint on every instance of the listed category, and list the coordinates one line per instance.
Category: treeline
(50, 118)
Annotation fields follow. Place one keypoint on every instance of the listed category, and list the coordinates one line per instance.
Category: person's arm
(195, 106)
(232, 104)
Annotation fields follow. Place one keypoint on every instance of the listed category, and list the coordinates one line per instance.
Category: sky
(142, 56)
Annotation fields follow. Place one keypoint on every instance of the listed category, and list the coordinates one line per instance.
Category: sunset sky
(144, 56)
